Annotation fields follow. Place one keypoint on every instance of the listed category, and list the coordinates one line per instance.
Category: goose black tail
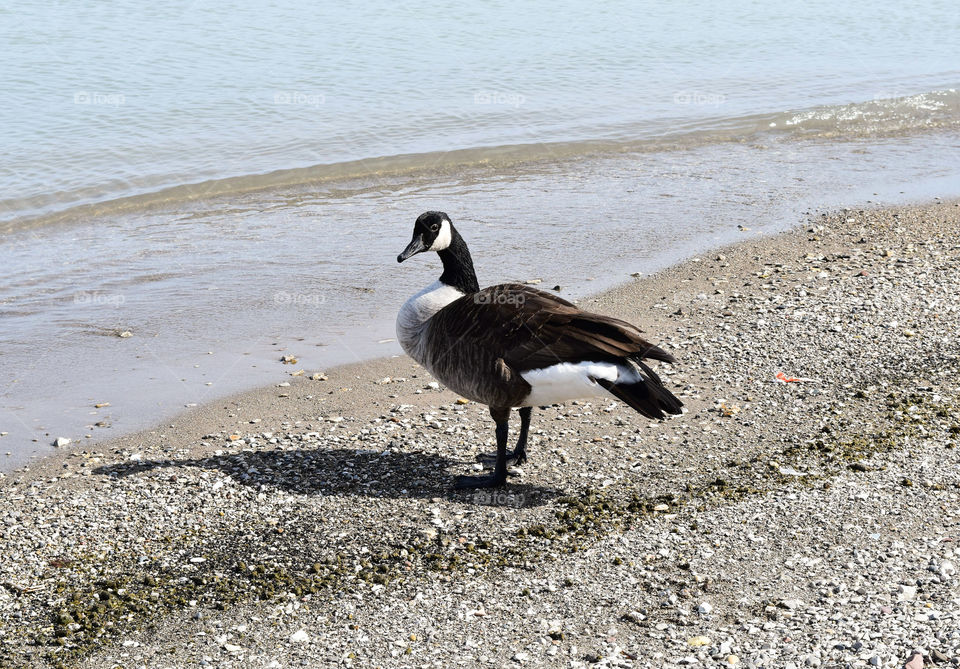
(647, 396)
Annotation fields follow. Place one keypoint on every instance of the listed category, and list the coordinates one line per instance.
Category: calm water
(104, 100)
(229, 182)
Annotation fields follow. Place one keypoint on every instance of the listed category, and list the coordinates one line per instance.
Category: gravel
(804, 523)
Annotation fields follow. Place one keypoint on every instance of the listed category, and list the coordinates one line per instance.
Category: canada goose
(512, 346)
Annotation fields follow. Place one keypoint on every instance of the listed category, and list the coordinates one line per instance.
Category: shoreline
(819, 121)
(214, 415)
(208, 317)
(311, 509)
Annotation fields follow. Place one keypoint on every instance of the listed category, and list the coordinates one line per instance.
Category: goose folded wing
(530, 329)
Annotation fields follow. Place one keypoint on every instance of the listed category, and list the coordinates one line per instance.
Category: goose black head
(433, 231)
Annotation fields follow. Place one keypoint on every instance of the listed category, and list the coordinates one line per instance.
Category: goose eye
(434, 227)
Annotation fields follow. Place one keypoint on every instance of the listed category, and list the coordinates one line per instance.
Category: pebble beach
(802, 512)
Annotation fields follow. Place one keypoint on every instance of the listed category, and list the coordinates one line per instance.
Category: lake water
(228, 181)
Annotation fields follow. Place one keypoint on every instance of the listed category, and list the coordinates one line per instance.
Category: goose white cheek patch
(443, 238)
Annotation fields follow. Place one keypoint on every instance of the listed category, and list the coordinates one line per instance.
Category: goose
(512, 346)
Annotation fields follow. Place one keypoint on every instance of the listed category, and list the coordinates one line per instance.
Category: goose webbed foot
(515, 458)
(518, 455)
(501, 416)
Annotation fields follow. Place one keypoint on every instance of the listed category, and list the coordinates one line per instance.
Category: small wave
(886, 114)
(882, 115)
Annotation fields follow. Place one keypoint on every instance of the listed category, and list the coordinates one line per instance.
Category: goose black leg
(499, 476)
(518, 455)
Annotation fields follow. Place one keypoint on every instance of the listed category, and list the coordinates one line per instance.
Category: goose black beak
(415, 246)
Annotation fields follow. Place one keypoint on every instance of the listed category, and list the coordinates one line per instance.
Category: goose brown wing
(530, 329)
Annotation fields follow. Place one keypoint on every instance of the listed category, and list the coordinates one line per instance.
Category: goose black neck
(458, 265)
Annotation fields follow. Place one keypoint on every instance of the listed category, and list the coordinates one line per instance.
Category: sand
(807, 522)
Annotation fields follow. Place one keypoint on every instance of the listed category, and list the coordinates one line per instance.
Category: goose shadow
(346, 472)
